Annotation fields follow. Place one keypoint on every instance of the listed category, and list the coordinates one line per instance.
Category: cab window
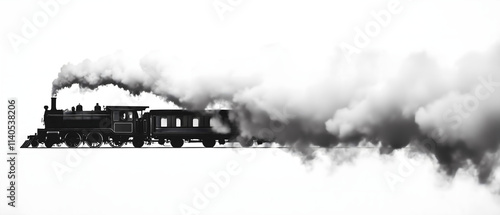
(125, 116)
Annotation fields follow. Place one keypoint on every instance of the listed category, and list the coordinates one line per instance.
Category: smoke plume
(451, 113)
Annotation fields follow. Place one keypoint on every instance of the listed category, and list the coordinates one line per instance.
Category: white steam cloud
(451, 113)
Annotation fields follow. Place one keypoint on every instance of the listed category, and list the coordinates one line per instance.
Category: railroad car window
(178, 122)
(130, 115)
(163, 122)
(123, 116)
(196, 122)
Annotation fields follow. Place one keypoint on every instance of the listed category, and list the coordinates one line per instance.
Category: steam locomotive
(120, 125)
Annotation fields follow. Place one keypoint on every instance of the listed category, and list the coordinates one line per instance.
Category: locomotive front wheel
(35, 143)
(161, 141)
(72, 139)
(177, 142)
(51, 140)
(209, 143)
(94, 140)
(222, 141)
(137, 142)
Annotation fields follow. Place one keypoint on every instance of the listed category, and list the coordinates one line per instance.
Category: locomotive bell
(79, 107)
(97, 107)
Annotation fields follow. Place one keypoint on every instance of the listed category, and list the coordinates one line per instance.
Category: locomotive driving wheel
(72, 140)
(94, 140)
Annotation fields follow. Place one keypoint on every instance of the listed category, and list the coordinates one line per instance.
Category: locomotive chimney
(53, 104)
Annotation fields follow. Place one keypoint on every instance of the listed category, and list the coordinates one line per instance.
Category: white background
(269, 181)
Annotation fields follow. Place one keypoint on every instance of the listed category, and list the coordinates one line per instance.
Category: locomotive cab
(127, 123)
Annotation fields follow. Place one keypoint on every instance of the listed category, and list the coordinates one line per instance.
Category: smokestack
(53, 104)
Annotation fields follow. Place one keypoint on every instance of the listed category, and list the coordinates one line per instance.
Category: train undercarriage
(97, 139)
